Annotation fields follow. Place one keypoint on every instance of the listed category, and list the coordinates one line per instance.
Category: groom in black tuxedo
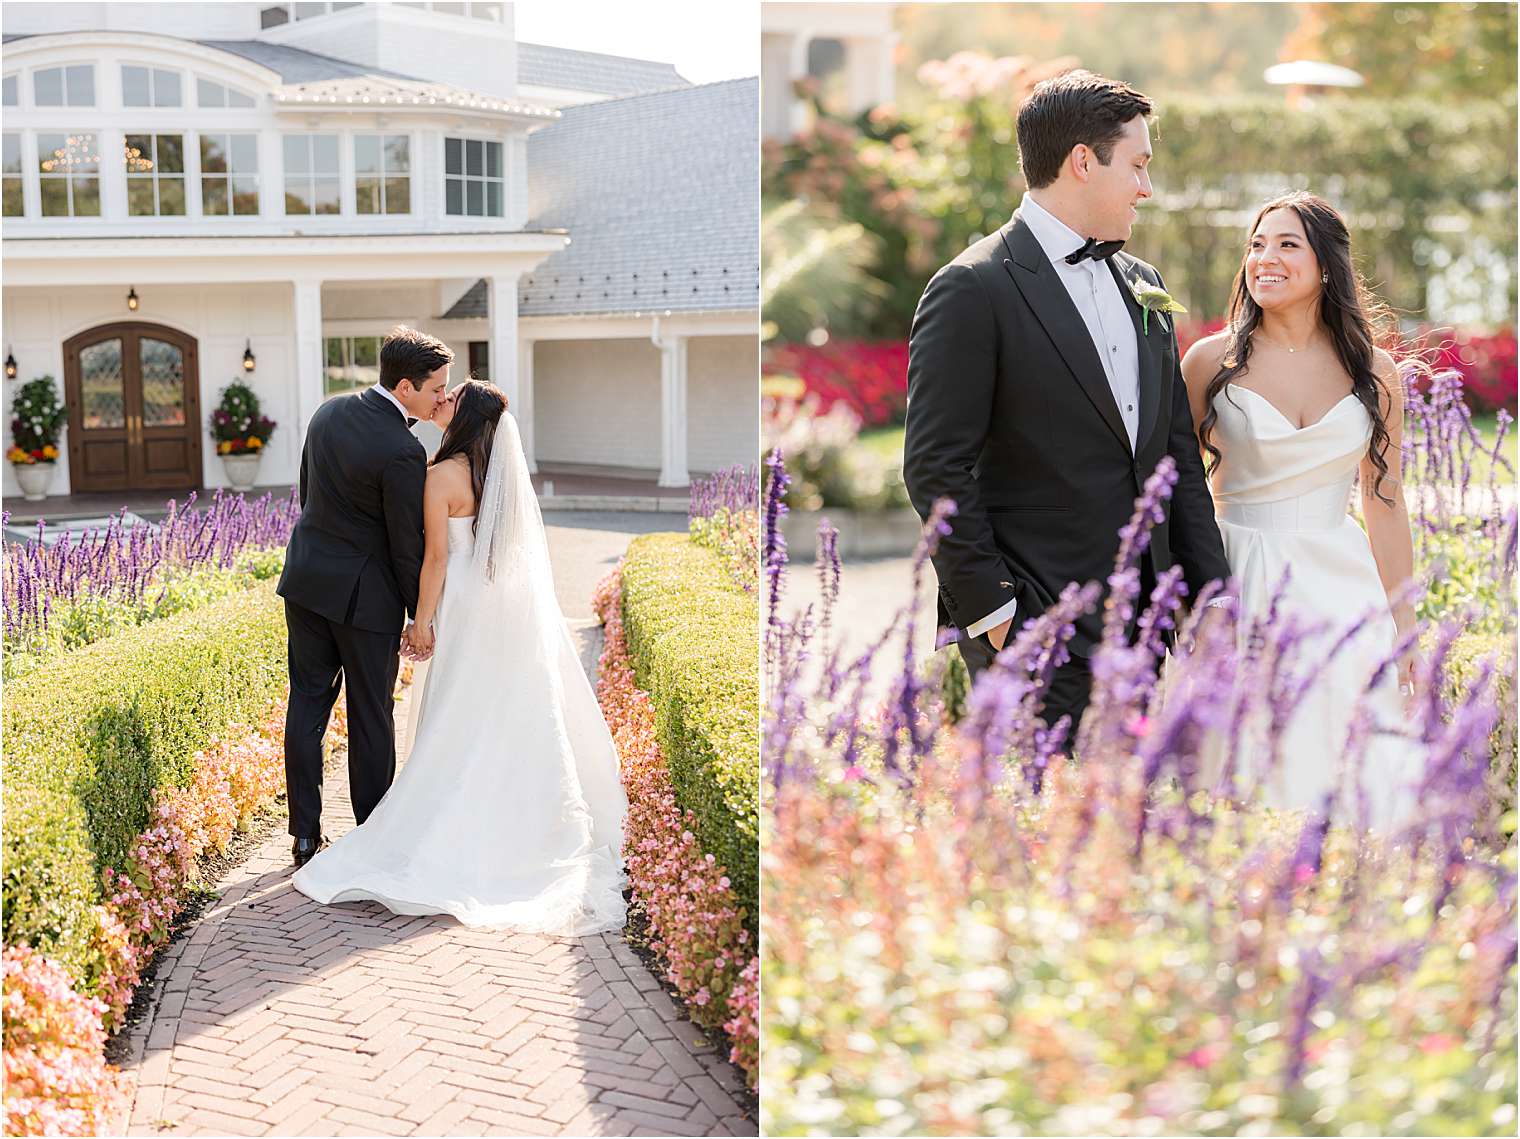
(351, 575)
(1040, 402)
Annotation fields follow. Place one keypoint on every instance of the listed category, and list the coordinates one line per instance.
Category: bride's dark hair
(478, 407)
(1355, 318)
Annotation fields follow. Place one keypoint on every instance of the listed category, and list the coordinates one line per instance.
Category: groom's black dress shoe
(303, 849)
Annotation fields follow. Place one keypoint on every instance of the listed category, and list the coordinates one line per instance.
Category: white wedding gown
(508, 812)
(1281, 496)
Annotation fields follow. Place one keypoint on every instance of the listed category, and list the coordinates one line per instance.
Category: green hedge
(90, 737)
(695, 642)
(1470, 650)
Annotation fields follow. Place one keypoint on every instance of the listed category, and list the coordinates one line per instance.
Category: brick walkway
(277, 1016)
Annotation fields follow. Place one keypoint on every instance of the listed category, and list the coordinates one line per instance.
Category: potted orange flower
(37, 417)
(241, 432)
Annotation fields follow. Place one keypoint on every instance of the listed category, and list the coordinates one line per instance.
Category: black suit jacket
(1011, 415)
(355, 555)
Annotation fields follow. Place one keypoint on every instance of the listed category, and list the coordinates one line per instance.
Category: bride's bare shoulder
(1203, 359)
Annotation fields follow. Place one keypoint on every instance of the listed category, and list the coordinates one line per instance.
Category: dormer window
(64, 86)
(473, 185)
(149, 87)
(212, 94)
(12, 91)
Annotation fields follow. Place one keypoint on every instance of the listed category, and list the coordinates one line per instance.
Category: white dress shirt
(1097, 298)
(405, 415)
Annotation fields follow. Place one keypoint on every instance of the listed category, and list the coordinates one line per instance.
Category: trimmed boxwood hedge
(694, 638)
(89, 738)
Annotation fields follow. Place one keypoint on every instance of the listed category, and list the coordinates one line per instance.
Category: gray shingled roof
(295, 65)
(660, 195)
(543, 66)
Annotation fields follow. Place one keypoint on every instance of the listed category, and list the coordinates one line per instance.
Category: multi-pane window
(311, 174)
(229, 174)
(12, 96)
(155, 175)
(150, 87)
(472, 183)
(10, 174)
(382, 173)
(212, 94)
(68, 173)
(350, 363)
(72, 86)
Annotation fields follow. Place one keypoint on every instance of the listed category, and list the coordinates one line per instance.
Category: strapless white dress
(1282, 496)
(508, 811)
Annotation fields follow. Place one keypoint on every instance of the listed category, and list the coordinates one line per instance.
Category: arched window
(150, 87)
(209, 93)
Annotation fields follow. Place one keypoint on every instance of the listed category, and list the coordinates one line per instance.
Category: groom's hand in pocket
(998, 634)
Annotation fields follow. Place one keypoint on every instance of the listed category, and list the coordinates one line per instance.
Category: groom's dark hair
(1076, 107)
(411, 355)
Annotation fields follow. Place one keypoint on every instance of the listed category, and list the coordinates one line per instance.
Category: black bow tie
(410, 423)
(1097, 250)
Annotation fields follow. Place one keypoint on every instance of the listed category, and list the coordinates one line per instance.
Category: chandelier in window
(137, 163)
(78, 150)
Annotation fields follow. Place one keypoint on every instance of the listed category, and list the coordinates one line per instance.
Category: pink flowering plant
(56, 1082)
(697, 923)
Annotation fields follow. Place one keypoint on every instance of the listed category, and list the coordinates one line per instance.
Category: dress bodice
(1275, 476)
(461, 536)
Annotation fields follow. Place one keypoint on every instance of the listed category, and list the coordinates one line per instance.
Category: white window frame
(20, 176)
(344, 177)
(68, 179)
(188, 172)
(230, 176)
(465, 178)
(383, 176)
(154, 71)
(227, 90)
(33, 72)
(348, 338)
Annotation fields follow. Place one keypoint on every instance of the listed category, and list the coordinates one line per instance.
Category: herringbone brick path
(277, 1016)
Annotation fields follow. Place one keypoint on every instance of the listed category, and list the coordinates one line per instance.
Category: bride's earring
(1324, 277)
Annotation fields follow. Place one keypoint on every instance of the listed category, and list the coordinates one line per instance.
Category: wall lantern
(132, 299)
(10, 364)
(248, 356)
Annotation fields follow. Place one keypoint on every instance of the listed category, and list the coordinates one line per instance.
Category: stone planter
(35, 478)
(241, 470)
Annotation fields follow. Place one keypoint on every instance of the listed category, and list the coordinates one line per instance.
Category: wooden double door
(133, 394)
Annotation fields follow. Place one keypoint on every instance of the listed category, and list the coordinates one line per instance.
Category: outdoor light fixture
(10, 364)
(132, 299)
(248, 356)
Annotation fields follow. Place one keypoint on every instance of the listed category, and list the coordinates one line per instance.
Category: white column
(799, 70)
(868, 72)
(673, 412)
(524, 410)
(501, 294)
(309, 387)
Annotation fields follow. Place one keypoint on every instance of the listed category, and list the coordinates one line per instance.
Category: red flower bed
(871, 377)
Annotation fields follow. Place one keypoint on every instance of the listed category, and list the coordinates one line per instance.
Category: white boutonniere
(1153, 299)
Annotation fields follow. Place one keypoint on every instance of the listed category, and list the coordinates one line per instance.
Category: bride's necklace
(1280, 344)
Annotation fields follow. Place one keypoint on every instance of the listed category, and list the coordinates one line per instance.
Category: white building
(849, 48)
(292, 180)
